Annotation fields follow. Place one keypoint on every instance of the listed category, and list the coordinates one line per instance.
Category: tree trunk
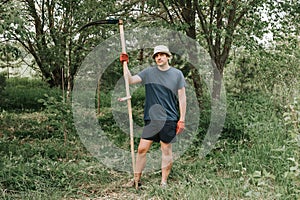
(188, 13)
(217, 82)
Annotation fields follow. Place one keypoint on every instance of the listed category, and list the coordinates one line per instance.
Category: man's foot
(163, 185)
(131, 184)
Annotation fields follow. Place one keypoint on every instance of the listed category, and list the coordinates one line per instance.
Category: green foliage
(44, 169)
(292, 118)
(138, 98)
(60, 116)
(273, 70)
(9, 54)
(23, 94)
(38, 163)
(111, 75)
(113, 131)
(55, 42)
(2, 82)
(236, 120)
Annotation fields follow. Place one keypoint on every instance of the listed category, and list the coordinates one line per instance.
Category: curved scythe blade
(99, 22)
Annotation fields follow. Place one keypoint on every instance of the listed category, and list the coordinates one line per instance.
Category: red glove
(180, 127)
(124, 57)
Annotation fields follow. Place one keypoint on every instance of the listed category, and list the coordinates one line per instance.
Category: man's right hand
(124, 57)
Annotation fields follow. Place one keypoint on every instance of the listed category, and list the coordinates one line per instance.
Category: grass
(36, 162)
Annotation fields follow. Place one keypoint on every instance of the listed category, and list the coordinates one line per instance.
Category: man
(165, 92)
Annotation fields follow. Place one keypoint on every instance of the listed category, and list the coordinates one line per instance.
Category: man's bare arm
(132, 79)
(182, 103)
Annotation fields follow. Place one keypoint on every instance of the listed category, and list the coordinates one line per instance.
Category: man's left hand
(180, 127)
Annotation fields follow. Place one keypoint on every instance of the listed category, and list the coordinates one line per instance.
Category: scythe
(125, 74)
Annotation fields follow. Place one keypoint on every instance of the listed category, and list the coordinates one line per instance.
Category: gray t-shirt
(161, 89)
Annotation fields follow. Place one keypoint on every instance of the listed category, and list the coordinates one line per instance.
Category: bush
(60, 117)
(2, 87)
(2, 82)
(23, 94)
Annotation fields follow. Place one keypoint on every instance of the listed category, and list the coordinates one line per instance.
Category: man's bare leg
(167, 161)
(143, 148)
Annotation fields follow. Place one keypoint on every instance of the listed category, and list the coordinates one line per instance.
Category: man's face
(161, 59)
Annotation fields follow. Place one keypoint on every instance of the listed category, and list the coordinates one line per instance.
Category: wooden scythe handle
(128, 100)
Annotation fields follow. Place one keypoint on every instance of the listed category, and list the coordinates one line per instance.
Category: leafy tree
(273, 70)
(10, 56)
(218, 24)
(48, 30)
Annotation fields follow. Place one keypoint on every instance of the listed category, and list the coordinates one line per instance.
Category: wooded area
(254, 49)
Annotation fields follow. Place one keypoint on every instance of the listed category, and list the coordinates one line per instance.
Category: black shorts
(157, 131)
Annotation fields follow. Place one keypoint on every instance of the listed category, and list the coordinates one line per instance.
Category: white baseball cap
(161, 49)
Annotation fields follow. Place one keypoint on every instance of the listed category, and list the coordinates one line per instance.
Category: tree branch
(211, 8)
(167, 10)
(180, 18)
(206, 31)
(229, 32)
(219, 17)
(244, 11)
(50, 8)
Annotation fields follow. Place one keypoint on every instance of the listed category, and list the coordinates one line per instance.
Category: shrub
(2, 86)
(60, 117)
(2, 82)
(23, 94)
